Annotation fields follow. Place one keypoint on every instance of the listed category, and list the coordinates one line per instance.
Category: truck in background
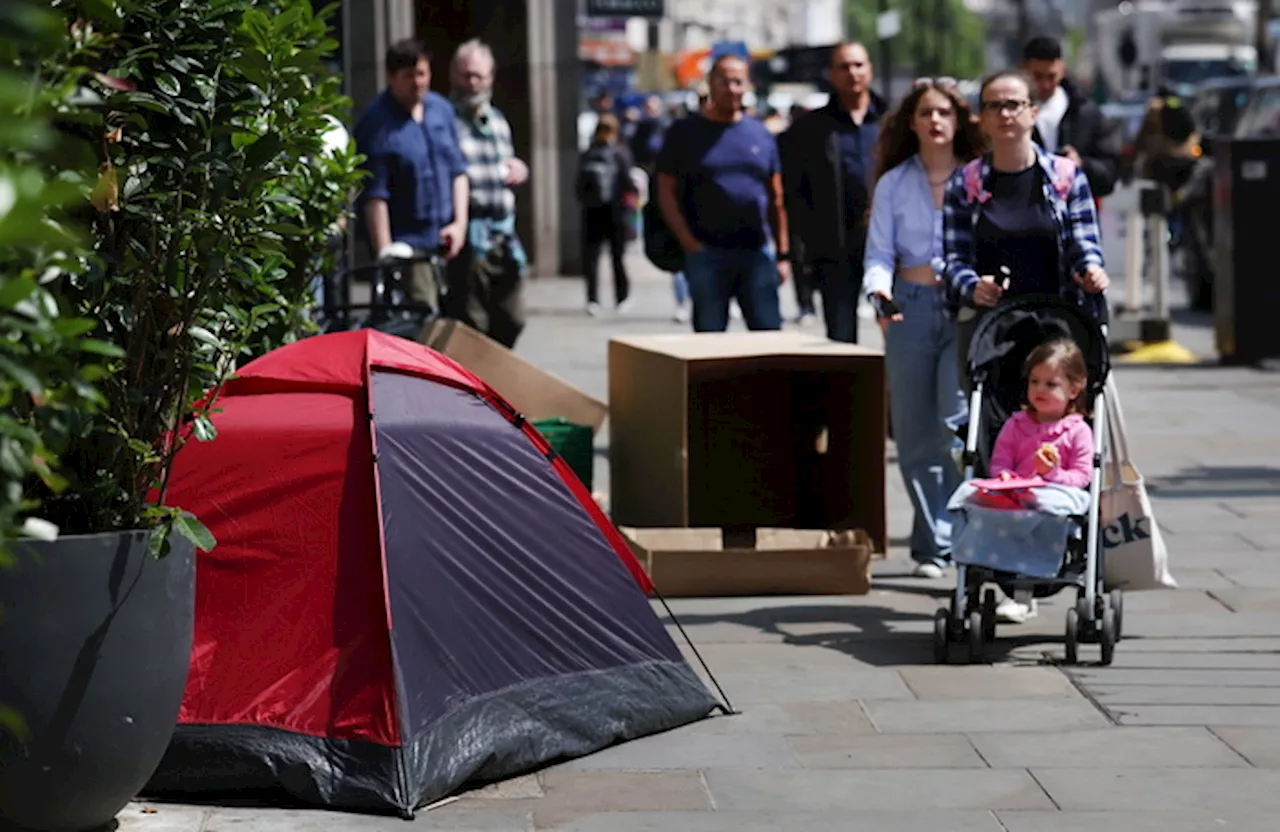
(1176, 44)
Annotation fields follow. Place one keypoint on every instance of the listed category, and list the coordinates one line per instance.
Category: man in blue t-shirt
(417, 191)
(720, 190)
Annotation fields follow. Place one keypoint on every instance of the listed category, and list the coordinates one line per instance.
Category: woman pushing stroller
(1017, 223)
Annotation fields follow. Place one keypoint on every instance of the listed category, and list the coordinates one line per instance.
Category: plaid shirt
(485, 139)
(1076, 218)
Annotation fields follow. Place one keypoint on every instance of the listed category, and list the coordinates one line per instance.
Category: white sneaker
(1010, 611)
(682, 314)
(927, 570)
(593, 309)
(734, 311)
(624, 307)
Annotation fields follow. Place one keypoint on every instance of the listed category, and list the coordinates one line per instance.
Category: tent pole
(727, 707)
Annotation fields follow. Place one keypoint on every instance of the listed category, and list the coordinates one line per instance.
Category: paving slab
(1195, 644)
(1113, 747)
(842, 718)
(877, 751)
(1260, 746)
(1204, 624)
(798, 821)
(682, 750)
(1267, 577)
(1174, 678)
(1147, 821)
(875, 789)
(1187, 578)
(987, 682)
(1245, 790)
(1185, 600)
(808, 683)
(1227, 694)
(1249, 599)
(292, 820)
(148, 816)
(1261, 716)
(571, 795)
(960, 716)
(1235, 660)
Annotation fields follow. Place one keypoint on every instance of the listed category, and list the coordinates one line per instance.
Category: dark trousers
(485, 293)
(840, 282)
(802, 277)
(601, 226)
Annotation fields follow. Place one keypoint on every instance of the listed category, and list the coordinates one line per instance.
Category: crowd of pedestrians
(925, 210)
(930, 212)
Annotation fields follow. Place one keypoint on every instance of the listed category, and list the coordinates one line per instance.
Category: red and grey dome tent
(410, 591)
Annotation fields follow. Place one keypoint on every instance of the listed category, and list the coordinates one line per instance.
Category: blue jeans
(717, 275)
(924, 399)
(681, 287)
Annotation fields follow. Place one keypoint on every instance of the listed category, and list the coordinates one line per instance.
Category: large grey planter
(95, 641)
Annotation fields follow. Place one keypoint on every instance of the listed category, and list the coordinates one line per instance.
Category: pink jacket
(1022, 436)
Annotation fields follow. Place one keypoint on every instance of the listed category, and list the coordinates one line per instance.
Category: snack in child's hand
(1046, 458)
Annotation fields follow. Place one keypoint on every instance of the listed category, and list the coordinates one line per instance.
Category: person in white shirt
(1068, 123)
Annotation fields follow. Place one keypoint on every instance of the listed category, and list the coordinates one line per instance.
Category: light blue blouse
(906, 227)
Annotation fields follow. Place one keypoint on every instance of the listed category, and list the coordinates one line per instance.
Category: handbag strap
(1117, 435)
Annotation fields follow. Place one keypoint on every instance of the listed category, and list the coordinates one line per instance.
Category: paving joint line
(1040, 785)
(706, 787)
(999, 822)
(1234, 750)
(1087, 694)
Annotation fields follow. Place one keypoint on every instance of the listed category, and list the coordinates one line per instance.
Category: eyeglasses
(945, 82)
(1011, 106)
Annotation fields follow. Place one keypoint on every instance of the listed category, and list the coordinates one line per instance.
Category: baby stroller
(1000, 345)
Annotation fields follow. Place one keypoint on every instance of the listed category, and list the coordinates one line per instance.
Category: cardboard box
(530, 389)
(747, 430)
(687, 563)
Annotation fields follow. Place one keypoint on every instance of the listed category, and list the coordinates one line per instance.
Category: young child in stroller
(1019, 519)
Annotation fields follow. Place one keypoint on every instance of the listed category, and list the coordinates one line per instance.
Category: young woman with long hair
(921, 144)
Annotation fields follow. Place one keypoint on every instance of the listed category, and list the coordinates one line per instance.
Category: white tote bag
(1134, 553)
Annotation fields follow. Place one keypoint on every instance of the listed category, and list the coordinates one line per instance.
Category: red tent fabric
(343, 361)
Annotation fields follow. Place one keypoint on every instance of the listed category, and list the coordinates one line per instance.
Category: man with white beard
(486, 281)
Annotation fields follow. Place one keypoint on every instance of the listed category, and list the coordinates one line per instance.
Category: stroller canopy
(410, 591)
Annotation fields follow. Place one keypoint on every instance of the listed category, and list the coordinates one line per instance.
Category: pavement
(845, 720)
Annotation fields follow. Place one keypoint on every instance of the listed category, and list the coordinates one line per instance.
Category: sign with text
(626, 8)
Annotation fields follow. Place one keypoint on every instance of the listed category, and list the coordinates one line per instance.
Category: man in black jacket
(828, 168)
(1069, 124)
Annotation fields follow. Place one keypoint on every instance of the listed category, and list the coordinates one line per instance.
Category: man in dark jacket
(1069, 124)
(830, 161)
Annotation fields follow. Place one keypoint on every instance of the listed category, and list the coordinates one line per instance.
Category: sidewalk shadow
(872, 641)
(1217, 481)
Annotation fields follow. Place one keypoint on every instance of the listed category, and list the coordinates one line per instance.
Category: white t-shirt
(1049, 119)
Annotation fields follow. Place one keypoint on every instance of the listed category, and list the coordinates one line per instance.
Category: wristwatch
(783, 257)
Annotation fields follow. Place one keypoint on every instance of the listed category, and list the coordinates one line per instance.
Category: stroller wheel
(977, 637)
(1071, 644)
(1116, 598)
(989, 615)
(1108, 636)
(941, 636)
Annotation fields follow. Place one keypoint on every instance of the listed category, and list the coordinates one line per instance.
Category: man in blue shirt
(831, 162)
(417, 193)
(720, 191)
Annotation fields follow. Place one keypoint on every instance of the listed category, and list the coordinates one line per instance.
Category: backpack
(598, 177)
(1064, 176)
